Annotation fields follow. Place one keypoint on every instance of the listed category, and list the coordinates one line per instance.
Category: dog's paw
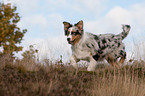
(90, 69)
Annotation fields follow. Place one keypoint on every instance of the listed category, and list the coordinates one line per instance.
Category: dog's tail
(126, 29)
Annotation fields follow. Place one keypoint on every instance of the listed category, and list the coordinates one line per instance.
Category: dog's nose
(68, 39)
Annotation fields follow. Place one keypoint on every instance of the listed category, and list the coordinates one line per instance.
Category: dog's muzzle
(70, 42)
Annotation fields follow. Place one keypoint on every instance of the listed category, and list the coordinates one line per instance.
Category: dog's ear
(66, 26)
(80, 25)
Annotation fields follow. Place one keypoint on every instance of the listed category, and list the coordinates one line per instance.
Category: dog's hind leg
(112, 61)
(123, 57)
(121, 61)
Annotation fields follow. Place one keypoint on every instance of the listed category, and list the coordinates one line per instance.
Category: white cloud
(25, 6)
(57, 3)
(138, 14)
(119, 15)
(87, 7)
(111, 22)
(37, 19)
(74, 7)
(92, 4)
(55, 22)
(42, 25)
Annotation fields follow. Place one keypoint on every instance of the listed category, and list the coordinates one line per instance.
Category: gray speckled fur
(96, 47)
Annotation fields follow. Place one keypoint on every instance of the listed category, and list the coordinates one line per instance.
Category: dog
(93, 48)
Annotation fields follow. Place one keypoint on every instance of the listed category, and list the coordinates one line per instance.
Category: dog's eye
(75, 33)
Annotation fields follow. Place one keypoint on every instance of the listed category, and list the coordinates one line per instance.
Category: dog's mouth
(71, 42)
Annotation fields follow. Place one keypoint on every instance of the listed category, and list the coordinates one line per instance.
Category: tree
(10, 34)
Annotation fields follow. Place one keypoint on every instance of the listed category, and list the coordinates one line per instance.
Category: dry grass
(28, 78)
(120, 82)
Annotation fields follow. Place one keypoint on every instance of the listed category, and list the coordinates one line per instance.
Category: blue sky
(43, 19)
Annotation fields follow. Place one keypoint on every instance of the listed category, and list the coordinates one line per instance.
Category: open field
(28, 78)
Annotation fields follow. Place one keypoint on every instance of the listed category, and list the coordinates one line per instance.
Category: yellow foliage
(10, 34)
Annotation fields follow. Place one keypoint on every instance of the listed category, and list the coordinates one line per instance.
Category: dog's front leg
(73, 62)
(92, 65)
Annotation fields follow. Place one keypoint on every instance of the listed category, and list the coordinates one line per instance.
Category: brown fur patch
(76, 39)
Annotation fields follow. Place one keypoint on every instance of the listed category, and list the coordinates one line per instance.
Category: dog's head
(73, 32)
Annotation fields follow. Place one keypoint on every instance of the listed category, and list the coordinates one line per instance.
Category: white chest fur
(81, 53)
